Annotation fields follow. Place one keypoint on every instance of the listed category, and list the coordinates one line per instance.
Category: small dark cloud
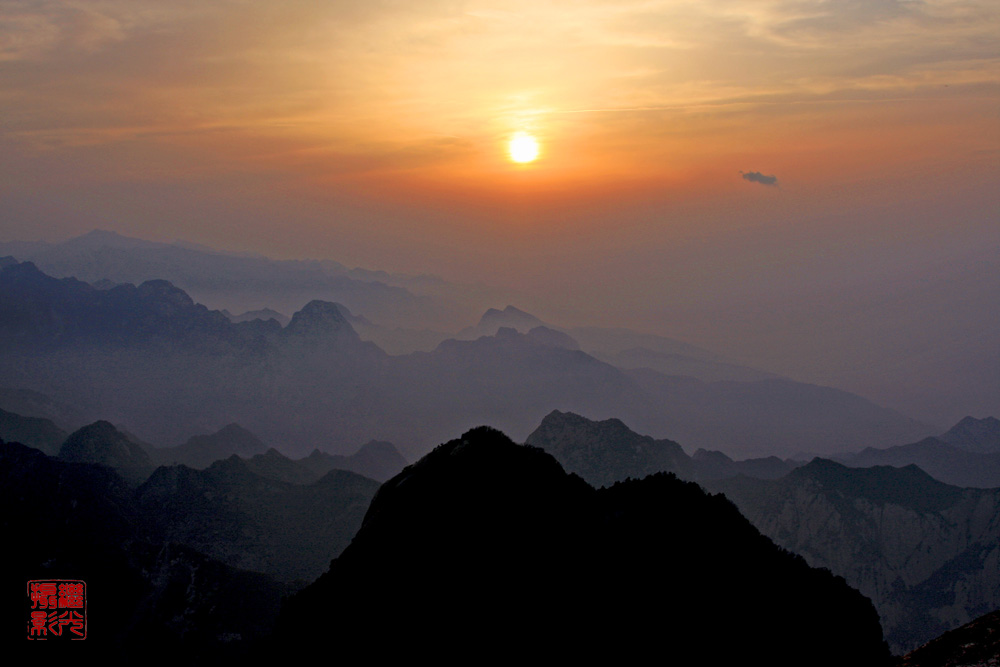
(757, 177)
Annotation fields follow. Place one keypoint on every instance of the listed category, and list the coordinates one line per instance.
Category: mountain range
(925, 552)
(233, 280)
(82, 521)
(151, 359)
(922, 550)
(968, 454)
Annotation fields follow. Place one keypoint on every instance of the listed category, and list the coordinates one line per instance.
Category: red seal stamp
(57, 609)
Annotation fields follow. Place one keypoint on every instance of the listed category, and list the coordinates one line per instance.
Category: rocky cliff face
(926, 553)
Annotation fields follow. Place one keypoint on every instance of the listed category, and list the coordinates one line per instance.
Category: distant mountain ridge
(375, 460)
(151, 359)
(201, 451)
(940, 459)
(966, 455)
(608, 451)
(232, 280)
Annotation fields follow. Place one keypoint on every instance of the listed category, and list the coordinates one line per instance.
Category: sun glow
(523, 148)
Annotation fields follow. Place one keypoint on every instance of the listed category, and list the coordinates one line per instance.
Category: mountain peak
(510, 317)
(166, 294)
(514, 551)
(102, 443)
(975, 435)
(320, 318)
(908, 486)
(608, 451)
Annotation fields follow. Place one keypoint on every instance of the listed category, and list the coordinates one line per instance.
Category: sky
(694, 156)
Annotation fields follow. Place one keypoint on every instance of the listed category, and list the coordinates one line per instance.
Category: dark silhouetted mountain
(975, 435)
(487, 548)
(82, 521)
(102, 444)
(608, 451)
(939, 459)
(975, 644)
(35, 432)
(201, 451)
(922, 550)
(289, 531)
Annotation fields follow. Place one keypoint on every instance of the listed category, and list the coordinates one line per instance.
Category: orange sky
(375, 133)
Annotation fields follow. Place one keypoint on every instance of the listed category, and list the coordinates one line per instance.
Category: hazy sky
(691, 152)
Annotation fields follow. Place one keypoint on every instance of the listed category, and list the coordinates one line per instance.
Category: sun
(523, 148)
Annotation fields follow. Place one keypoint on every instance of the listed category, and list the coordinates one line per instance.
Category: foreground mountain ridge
(484, 547)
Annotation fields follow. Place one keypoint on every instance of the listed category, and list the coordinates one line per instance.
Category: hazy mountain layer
(939, 459)
(152, 360)
(102, 444)
(975, 435)
(374, 460)
(234, 281)
(35, 432)
(604, 452)
(201, 451)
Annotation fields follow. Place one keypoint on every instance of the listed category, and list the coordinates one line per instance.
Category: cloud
(757, 177)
